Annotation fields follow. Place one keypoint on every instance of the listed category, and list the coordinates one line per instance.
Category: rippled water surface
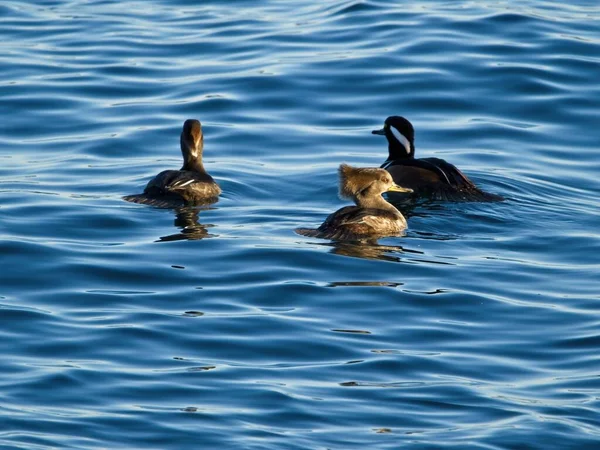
(130, 326)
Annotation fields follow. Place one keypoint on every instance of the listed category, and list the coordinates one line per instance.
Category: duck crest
(353, 179)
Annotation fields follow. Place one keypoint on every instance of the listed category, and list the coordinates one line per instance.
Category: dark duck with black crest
(432, 178)
(372, 217)
(189, 185)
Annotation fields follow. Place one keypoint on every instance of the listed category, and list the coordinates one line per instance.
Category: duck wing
(177, 181)
(195, 187)
(354, 223)
(155, 193)
(437, 179)
(160, 184)
(464, 189)
(172, 188)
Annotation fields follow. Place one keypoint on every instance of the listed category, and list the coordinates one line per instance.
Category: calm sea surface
(129, 326)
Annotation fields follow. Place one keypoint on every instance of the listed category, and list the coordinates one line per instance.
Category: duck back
(436, 179)
(356, 223)
(177, 187)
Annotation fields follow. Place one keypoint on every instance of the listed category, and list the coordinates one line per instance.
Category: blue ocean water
(129, 326)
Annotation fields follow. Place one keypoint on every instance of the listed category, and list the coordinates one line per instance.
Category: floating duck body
(191, 184)
(372, 216)
(432, 178)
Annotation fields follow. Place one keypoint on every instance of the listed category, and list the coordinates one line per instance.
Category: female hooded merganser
(427, 177)
(372, 217)
(191, 184)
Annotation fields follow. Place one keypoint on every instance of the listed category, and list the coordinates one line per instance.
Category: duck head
(365, 185)
(192, 142)
(401, 137)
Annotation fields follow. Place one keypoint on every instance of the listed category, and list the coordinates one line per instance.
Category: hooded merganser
(372, 217)
(192, 184)
(427, 177)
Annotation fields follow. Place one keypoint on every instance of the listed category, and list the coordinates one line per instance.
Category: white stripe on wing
(180, 184)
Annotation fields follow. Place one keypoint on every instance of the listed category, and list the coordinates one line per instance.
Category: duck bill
(379, 132)
(396, 188)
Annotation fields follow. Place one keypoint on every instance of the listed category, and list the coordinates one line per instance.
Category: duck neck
(192, 156)
(398, 151)
(375, 202)
(193, 164)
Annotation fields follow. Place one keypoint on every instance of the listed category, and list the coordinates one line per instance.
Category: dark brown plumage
(432, 178)
(189, 185)
(372, 216)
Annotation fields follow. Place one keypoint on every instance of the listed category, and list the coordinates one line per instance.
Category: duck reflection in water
(369, 250)
(187, 220)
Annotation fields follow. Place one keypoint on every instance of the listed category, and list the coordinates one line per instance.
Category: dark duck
(372, 217)
(189, 185)
(431, 178)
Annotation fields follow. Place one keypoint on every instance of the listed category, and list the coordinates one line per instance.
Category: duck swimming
(191, 184)
(427, 177)
(372, 216)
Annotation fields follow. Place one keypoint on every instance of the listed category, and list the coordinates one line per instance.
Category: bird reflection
(370, 250)
(187, 220)
(364, 283)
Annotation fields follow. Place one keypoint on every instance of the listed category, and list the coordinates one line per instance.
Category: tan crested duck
(191, 184)
(372, 217)
(432, 178)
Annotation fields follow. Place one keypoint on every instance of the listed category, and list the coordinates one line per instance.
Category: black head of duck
(400, 135)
